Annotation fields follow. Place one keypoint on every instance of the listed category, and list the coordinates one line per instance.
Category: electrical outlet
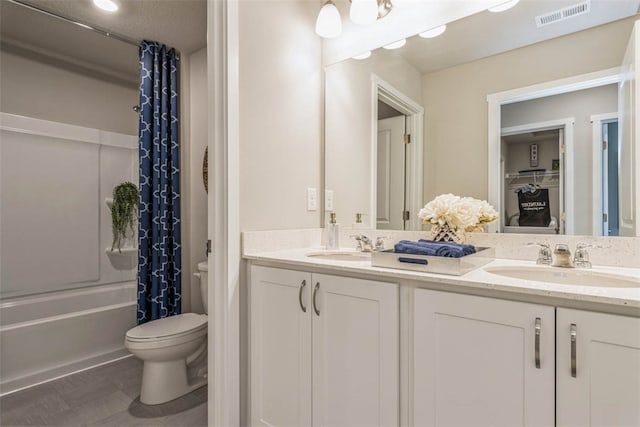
(533, 155)
(312, 199)
(328, 200)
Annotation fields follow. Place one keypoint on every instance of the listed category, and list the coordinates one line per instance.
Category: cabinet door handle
(537, 341)
(574, 336)
(315, 292)
(302, 285)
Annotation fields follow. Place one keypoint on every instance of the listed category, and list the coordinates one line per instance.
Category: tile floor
(108, 395)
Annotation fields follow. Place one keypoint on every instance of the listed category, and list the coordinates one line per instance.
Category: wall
(455, 156)
(581, 106)
(42, 222)
(348, 126)
(44, 88)
(280, 102)
(196, 225)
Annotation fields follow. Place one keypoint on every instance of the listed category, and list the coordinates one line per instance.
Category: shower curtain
(159, 264)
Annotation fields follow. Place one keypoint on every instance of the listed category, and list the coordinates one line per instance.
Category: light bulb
(364, 12)
(107, 5)
(504, 6)
(395, 45)
(434, 32)
(329, 23)
(364, 55)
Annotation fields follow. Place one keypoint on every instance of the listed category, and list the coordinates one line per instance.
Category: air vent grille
(563, 14)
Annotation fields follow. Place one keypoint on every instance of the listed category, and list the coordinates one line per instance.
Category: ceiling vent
(563, 14)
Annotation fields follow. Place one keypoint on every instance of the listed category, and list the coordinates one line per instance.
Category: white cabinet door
(604, 389)
(474, 361)
(355, 352)
(280, 347)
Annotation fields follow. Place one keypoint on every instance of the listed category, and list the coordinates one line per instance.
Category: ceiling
(182, 24)
(485, 33)
(177, 23)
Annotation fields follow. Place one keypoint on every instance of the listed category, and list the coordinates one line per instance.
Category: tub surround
(289, 249)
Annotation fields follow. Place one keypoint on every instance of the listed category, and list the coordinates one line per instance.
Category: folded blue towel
(466, 249)
(430, 248)
(409, 247)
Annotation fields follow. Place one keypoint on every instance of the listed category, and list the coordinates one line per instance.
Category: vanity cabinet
(482, 361)
(597, 369)
(324, 350)
(475, 363)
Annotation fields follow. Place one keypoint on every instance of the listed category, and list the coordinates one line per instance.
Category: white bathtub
(46, 336)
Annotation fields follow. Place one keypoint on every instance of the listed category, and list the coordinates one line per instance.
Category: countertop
(628, 297)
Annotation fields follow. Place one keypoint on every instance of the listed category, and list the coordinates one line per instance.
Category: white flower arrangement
(458, 213)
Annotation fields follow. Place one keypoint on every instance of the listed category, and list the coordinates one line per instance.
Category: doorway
(396, 172)
(391, 169)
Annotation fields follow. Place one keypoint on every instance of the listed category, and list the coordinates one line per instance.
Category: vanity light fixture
(329, 23)
(504, 6)
(106, 5)
(362, 12)
(434, 32)
(395, 45)
(364, 55)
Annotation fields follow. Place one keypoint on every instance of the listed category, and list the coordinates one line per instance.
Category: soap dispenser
(359, 224)
(333, 232)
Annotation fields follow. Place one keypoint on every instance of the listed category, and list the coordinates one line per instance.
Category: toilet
(174, 352)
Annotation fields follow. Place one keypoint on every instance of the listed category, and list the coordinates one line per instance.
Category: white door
(280, 347)
(474, 361)
(355, 352)
(629, 182)
(390, 187)
(598, 369)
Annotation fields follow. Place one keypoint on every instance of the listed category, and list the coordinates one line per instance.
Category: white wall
(195, 225)
(348, 112)
(280, 113)
(36, 87)
(455, 156)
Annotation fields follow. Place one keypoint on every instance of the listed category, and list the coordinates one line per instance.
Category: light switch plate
(328, 200)
(312, 199)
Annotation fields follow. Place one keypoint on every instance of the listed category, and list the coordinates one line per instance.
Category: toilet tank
(203, 267)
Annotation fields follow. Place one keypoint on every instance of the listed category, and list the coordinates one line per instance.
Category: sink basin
(565, 276)
(341, 255)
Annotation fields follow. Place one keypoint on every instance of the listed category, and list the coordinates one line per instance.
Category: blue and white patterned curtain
(159, 264)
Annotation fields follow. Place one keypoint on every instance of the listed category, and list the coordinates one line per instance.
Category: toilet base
(165, 381)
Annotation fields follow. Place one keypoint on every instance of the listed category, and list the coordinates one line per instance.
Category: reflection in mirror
(450, 77)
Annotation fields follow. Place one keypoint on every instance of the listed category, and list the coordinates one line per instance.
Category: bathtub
(47, 336)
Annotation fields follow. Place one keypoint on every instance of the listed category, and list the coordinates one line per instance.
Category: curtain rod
(105, 33)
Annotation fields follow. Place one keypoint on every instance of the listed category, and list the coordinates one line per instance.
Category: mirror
(444, 83)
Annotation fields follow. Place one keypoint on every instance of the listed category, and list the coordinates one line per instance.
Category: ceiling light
(434, 32)
(504, 6)
(364, 55)
(396, 45)
(107, 5)
(364, 12)
(329, 23)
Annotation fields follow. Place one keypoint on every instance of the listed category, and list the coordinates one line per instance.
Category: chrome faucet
(581, 256)
(544, 254)
(364, 243)
(562, 256)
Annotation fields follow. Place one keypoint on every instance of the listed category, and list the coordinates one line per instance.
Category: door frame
(597, 120)
(497, 100)
(414, 114)
(566, 180)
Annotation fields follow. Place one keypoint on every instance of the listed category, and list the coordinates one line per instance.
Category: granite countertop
(479, 278)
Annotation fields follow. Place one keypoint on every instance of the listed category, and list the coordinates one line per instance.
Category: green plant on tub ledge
(124, 212)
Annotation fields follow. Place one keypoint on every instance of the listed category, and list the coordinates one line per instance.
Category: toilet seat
(173, 328)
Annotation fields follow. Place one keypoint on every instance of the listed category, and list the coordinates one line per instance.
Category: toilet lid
(169, 326)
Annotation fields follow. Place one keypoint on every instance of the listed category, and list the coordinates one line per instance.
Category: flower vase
(444, 233)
